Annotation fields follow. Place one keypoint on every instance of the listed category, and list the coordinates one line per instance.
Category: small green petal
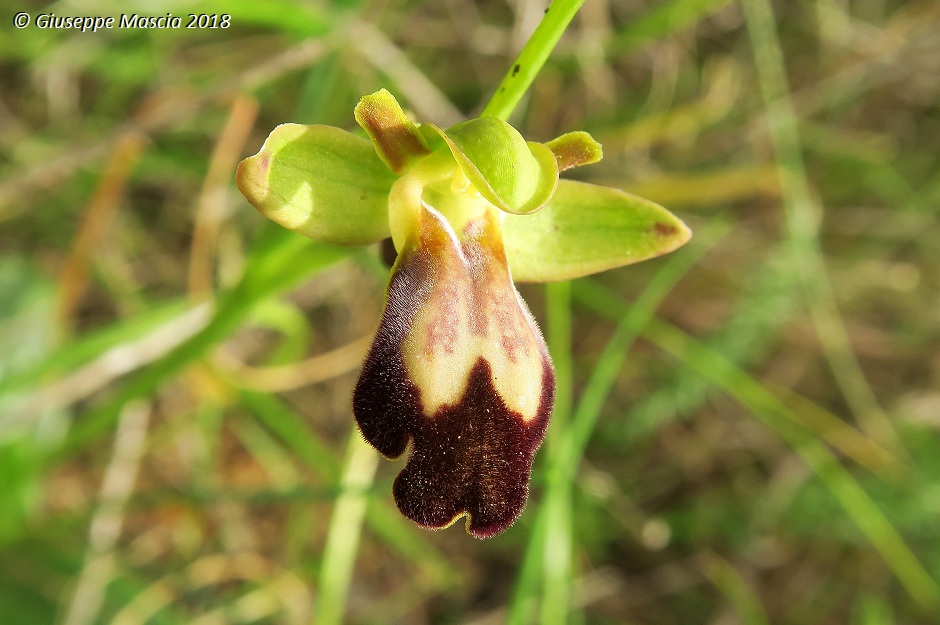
(512, 174)
(585, 229)
(575, 149)
(320, 181)
(397, 140)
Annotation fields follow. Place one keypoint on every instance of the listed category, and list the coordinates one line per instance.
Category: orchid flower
(458, 366)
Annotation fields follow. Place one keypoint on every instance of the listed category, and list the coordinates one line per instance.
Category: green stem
(566, 446)
(342, 542)
(557, 544)
(533, 56)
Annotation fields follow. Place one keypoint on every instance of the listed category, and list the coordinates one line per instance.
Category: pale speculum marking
(471, 311)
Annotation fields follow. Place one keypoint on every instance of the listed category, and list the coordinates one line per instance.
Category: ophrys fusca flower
(458, 367)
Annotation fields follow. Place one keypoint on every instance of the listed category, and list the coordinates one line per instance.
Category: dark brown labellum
(458, 367)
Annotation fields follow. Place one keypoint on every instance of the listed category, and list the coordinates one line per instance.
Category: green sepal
(586, 229)
(395, 137)
(515, 175)
(574, 149)
(319, 181)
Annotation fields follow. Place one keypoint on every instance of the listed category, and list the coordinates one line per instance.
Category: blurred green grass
(746, 430)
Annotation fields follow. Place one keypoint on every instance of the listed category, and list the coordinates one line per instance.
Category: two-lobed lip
(461, 368)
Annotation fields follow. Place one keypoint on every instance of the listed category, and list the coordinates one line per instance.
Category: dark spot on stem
(515, 69)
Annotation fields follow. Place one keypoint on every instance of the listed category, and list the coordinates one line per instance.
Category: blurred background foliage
(746, 429)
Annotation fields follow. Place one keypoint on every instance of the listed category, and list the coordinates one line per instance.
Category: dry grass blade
(107, 521)
(95, 225)
(287, 377)
(210, 210)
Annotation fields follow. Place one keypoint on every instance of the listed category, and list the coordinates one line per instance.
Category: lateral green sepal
(586, 229)
(319, 181)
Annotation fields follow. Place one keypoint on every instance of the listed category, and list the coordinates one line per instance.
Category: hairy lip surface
(472, 451)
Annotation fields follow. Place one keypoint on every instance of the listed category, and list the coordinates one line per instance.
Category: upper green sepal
(515, 175)
(320, 181)
(585, 229)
